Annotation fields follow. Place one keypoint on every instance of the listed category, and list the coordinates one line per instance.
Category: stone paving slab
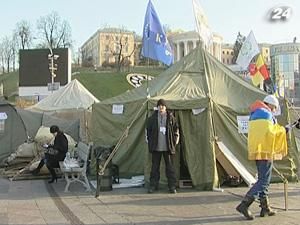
(37, 202)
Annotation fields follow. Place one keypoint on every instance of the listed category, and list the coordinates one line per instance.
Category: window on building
(107, 37)
(106, 48)
(126, 39)
(117, 38)
(267, 51)
(223, 52)
(227, 61)
(227, 52)
(223, 61)
(231, 53)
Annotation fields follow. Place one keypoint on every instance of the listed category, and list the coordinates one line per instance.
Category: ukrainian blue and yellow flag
(266, 138)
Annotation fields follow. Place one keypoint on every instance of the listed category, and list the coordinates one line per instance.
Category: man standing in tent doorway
(266, 142)
(162, 136)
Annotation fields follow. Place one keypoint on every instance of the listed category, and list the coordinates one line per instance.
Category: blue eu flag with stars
(155, 43)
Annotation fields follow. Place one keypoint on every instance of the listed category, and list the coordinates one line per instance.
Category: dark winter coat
(61, 145)
(172, 132)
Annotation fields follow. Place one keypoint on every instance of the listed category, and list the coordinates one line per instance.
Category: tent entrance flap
(235, 165)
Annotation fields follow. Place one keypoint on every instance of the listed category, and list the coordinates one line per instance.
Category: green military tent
(206, 97)
(12, 130)
(19, 125)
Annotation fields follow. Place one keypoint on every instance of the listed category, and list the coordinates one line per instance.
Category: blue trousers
(260, 188)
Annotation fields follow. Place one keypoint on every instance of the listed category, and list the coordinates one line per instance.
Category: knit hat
(161, 102)
(272, 100)
(54, 129)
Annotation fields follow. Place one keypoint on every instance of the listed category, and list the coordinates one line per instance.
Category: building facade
(227, 54)
(183, 42)
(106, 46)
(285, 68)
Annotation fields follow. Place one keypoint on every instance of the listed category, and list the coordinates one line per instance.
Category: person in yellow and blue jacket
(266, 142)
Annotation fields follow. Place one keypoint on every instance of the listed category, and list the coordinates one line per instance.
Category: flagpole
(147, 90)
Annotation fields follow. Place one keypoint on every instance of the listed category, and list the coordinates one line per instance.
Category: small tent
(70, 102)
(206, 97)
(12, 129)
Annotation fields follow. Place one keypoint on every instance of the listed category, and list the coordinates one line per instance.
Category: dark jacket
(61, 145)
(172, 132)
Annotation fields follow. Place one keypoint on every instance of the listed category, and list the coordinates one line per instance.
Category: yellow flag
(257, 78)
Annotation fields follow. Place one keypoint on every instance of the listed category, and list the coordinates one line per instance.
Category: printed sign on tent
(117, 109)
(242, 122)
(3, 116)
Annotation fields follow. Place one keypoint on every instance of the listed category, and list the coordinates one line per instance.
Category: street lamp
(52, 67)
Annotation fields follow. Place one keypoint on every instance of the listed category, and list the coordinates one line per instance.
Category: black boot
(37, 170)
(53, 174)
(265, 207)
(243, 207)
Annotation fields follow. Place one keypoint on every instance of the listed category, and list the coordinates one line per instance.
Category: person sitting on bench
(54, 154)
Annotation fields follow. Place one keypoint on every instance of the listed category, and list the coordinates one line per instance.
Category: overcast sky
(226, 18)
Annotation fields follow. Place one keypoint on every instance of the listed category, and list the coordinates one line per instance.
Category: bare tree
(14, 48)
(119, 47)
(54, 33)
(7, 47)
(23, 34)
(2, 62)
(237, 46)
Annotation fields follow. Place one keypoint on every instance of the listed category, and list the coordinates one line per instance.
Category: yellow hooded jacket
(266, 139)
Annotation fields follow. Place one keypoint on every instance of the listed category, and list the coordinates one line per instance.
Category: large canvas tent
(70, 102)
(206, 97)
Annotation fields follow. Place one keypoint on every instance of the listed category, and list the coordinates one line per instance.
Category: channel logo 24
(282, 13)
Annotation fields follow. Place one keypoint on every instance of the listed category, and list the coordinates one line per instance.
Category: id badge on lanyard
(162, 130)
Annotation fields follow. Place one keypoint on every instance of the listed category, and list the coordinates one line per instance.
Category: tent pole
(285, 187)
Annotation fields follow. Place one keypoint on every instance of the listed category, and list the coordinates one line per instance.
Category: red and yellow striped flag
(258, 71)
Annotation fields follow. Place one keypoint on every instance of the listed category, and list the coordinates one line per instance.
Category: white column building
(184, 42)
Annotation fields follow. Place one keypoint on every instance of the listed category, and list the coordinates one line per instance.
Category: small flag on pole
(262, 67)
(248, 50)
(259, 71)
(155, 43)
(203, 28)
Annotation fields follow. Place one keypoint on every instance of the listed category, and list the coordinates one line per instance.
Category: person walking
(54, 154)
(162, 137)
(266, 142)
